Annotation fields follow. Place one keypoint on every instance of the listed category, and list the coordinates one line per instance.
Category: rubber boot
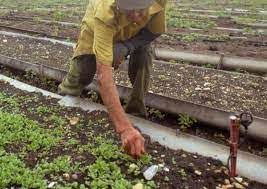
(81, 73)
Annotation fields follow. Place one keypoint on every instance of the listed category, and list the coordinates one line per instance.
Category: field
(47, 145)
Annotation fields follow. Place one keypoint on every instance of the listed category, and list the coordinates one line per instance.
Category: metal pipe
(213, 116)
(253, 65)
(52, 40)
(234, 139)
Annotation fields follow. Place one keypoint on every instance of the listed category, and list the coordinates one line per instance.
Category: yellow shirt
(103, 25)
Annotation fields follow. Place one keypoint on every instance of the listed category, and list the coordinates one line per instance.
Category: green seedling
(185, 121)
(107, 175)
(14, 171)
(58, 15)
(156, 113)
(182, 174)
(17, 129)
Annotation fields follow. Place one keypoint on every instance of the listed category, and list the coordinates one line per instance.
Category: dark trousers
(83, 69)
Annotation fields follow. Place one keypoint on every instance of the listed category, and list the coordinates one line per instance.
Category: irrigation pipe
(39, 33)
(12, 34)
(213, 116)
(248, 165)
(249, 64)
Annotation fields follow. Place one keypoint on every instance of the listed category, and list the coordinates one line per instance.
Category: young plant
(107, 175)
(182, 174)
(14, 171)
(30, 75)
(185, 121)
(154, 113)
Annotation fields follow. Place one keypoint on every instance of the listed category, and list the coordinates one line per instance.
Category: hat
(133, 4)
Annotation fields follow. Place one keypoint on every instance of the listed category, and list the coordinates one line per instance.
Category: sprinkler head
(246, 119)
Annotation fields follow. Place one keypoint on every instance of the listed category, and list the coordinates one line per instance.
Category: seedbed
(52, 29)
(59, 147)
(155, 115)
(71, 148)
(181, 122)
(225, 90)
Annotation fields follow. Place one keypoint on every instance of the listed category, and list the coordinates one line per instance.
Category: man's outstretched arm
(132, 140)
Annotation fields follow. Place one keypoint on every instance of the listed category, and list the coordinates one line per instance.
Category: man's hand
(133, 142)
(120, 52)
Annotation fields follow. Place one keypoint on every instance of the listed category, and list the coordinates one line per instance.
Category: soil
(213, 88)
(154, 115)
(182, 165)
(36, 51)
(219, 89)
(51, 29)
(74, 17)
(253, 46)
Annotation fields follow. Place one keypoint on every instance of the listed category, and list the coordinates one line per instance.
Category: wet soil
(219, 89)
(183, 168)
(253, 46)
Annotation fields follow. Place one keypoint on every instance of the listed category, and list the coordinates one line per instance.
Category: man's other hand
(120, 52)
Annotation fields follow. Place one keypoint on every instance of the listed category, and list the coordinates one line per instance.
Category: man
(110, 31)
